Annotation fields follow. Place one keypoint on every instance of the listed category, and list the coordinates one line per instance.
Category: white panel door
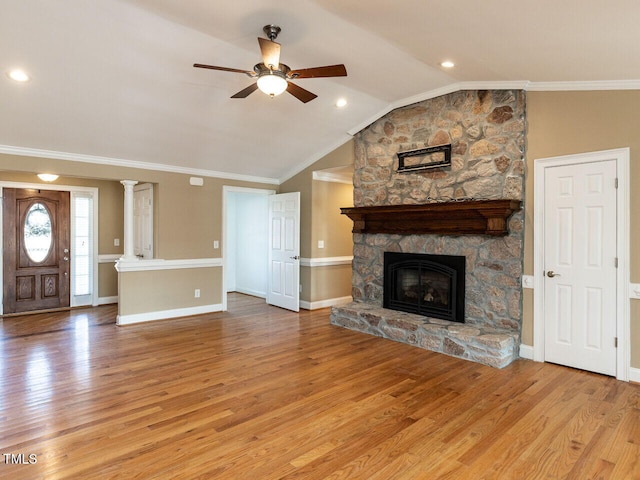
(580, 269)
(284, 251)
(143, 220)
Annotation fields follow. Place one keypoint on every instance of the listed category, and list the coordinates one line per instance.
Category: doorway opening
(245, 243)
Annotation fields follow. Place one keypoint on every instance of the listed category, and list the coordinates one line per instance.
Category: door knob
(552, 274)
(66, 259)
(297, 257)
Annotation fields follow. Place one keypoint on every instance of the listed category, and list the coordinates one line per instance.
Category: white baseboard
(330, 302)
(165, 314)
(107, 300)
(253, 293)
(526, 351)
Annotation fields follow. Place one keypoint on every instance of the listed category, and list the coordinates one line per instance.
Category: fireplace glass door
(430, 285)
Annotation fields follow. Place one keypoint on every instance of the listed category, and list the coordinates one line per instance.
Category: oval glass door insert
(38, 237)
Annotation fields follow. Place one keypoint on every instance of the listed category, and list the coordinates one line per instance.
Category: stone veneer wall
(487, 133)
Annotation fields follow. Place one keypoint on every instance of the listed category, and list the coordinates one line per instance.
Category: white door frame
(623, 323)
(226, 189)
(63, 188)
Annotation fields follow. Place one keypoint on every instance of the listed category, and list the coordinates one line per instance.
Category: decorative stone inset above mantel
(469, 217)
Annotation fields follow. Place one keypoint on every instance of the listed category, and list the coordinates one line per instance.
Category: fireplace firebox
(429, 285)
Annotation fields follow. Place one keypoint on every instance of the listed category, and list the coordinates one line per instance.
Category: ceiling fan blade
(300, 93)
(225, 69)
(270, 52)
(245, 92)
(328, 71)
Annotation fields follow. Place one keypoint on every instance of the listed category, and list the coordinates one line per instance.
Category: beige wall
(107, 280)
(188, 218)
(166, 290)
(330, 282)
(564, 123)
(328, 224)
(320, 219)
(187, 221)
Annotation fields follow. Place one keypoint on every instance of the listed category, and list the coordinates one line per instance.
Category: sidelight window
(82, 246)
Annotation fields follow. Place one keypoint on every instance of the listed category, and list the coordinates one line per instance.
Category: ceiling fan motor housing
(262, 69)
(271, 31)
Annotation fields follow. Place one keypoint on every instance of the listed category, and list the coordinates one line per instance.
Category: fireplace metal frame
(452, 266)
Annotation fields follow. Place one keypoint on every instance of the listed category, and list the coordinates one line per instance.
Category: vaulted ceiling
(113, 81)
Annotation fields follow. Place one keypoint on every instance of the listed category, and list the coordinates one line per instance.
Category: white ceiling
(112, 80)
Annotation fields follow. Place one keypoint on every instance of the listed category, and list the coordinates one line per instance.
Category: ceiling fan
(273, 77)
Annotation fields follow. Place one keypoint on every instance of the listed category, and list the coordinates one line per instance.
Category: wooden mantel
(470, 217)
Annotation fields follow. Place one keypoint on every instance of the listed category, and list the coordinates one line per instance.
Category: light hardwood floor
(263, 393)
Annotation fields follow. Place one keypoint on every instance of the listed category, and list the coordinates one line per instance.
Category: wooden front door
(36, 248)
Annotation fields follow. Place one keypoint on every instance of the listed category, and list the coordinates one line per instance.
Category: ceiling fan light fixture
(272, 77)
(272, 83)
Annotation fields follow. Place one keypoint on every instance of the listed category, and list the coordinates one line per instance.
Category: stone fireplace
(429, 285)
(486, 130)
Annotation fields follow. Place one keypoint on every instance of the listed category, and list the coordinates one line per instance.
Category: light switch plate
(527, 281)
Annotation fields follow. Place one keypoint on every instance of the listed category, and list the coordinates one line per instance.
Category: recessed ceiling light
(18, 76)
(342, 102)
(447, 64)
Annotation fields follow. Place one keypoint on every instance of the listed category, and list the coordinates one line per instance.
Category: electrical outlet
(216, 244)
(320, 243)
(116, 242)
(196, 293)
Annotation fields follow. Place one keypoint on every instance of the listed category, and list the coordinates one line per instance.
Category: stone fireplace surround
(487, 132)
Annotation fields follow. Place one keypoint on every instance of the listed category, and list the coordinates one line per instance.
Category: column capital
(129, 183)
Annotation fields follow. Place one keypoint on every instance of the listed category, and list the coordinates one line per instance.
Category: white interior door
(580, 266)
(284, 251)
(143, 220)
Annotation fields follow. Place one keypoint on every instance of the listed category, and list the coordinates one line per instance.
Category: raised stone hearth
(489, 346)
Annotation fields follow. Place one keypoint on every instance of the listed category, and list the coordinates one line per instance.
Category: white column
(128, 220)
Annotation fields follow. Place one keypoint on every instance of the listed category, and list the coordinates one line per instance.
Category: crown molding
(583, 86)
(503, 85)
(332, 177)
(438, 92)
(443, 90)
(118, 162)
